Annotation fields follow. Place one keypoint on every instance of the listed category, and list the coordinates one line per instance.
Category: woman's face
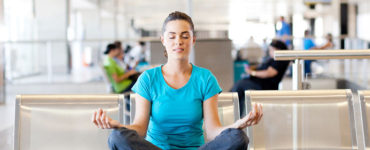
(328, 37)
(178, 39)
(115, 52)
(120, 54)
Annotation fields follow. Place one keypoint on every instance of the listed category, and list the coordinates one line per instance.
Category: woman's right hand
(101, 120)
(252, 118)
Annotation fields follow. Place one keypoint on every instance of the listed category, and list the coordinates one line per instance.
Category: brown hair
(118, 44)
(177, 16)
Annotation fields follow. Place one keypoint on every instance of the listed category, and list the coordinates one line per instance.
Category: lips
(178, 50)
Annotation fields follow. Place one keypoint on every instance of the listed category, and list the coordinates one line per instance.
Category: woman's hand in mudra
(252, 118)
(101, 120)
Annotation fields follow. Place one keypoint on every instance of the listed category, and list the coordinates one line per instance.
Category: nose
(178, 40)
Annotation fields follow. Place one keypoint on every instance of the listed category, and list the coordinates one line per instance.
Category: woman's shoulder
(107, 61)
(204, 72)
(151, 73)
(153, 70)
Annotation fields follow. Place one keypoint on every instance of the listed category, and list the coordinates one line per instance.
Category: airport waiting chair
(304, 119)
(228, 107)
(364, 101)
(60, 122)
(132, 107)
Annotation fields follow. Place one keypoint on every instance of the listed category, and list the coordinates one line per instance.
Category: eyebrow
(180, 33)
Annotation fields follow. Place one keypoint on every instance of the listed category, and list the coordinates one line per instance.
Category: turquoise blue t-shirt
(176, 117)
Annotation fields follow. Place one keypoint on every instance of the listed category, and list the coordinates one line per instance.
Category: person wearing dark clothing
(266, 77)
(271, 83)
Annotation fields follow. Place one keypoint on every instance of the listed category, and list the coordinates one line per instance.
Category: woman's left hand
(248, 70)
(252, 118)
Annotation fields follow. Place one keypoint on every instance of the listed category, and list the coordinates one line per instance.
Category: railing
(322, 54)
(299, 55)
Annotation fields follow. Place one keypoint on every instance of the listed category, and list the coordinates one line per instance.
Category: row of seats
(309, 119)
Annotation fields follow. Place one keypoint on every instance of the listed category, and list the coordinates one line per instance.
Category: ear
(162, 40)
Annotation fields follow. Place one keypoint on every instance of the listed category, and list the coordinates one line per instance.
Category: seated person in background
(127, 63)
(266, 77)
(137, 53)
(117, 76)
(120, 59)
(329, 42)
(124, 59)
(308, 44)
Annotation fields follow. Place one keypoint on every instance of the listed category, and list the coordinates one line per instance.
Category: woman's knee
(115, 137)
(120, 136)
(238, 136)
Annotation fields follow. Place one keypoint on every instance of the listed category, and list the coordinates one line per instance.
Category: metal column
(2, 75)
(298, 74)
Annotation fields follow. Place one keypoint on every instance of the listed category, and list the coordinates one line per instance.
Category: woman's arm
(267, 73)
(141, 120)
(212, 122)
(326, 46)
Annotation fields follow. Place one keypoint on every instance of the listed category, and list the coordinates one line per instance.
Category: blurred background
(56, 46)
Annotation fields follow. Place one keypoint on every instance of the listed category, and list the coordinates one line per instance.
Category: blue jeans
(126, 139)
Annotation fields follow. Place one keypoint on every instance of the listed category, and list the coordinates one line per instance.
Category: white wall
(51, 21)
(330, 18)
(51, 18)
(91, 24)
(363, 23)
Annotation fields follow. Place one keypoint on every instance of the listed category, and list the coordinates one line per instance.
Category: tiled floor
(7, 109)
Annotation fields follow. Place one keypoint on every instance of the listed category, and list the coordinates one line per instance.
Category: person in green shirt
(118, 77)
